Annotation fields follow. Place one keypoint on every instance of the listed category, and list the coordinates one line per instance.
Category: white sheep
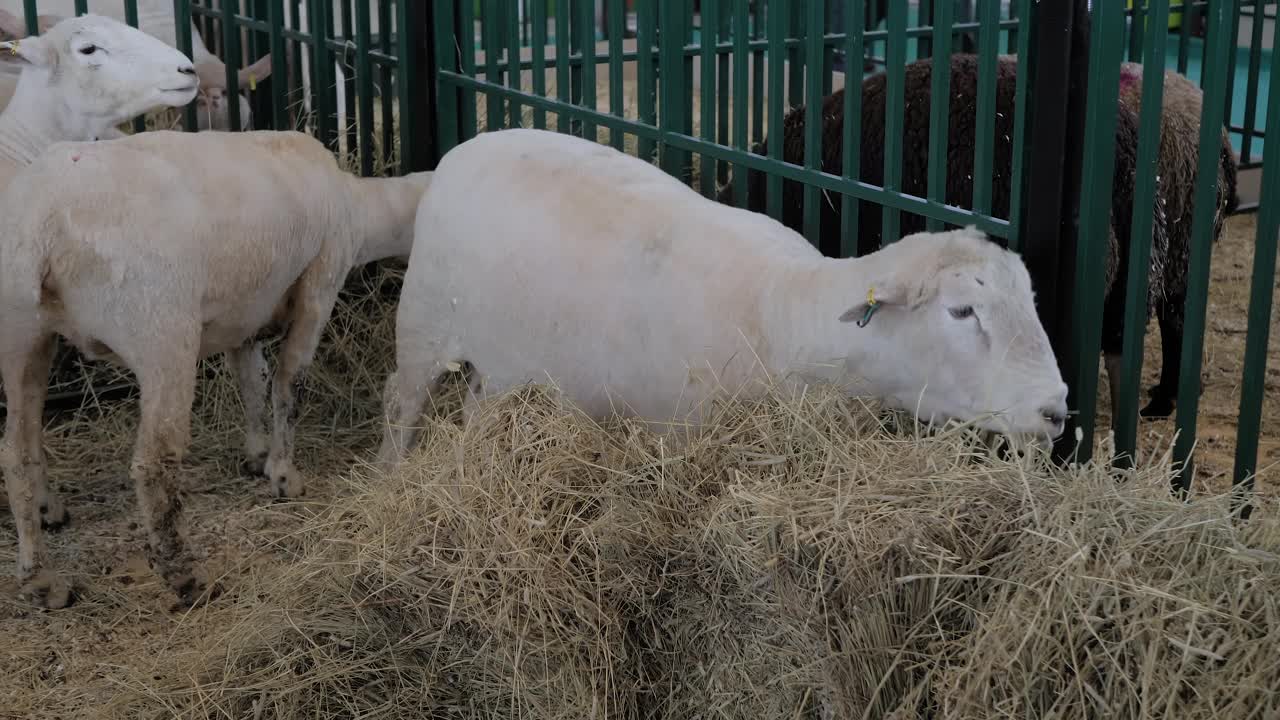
(156, 18)
(631, 292)
(119, 248)
(82, 78)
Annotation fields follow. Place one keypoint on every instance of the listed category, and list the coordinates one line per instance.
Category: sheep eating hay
(1176, 169)
(170, 267)
(632, 292)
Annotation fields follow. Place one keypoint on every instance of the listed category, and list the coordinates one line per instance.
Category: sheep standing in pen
(156, 18)
(122, 250)
(633, 293)
(1172, 209)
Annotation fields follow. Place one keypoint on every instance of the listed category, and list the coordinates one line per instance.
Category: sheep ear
(30, 50)
(12, 26)
(250, 76)
(878, 296)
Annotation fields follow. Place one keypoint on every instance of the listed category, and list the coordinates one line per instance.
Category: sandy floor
(68, 663)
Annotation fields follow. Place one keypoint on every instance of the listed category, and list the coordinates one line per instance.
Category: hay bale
(801, 559)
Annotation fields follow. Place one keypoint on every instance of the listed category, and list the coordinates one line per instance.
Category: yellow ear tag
(253, 82)
(872, 306)
(13, 48)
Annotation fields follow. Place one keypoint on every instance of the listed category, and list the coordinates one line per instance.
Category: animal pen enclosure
(698, 86)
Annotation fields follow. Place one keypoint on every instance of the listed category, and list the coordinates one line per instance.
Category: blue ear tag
(872, 306)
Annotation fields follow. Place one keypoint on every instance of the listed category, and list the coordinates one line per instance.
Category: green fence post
(895, 101)
(940, 108)
(815, 24)
(423, 141)
(1215, 76)
(741, 71)
(1124, 419)
(674, 93)
(775, 19)
(855, 25)
(1253, 385)
(231, 56)
(182, 18)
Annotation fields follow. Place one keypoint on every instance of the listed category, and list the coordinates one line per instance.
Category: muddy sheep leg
(254, 380)
(1164, 395)
(415, 381)
(164, 431)
(24, 470)
(313, 302)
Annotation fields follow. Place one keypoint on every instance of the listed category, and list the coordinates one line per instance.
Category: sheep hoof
(54, 515)
(1161, 406)
(193, 592)
(45, 589)
(254, 466)
(287, 485)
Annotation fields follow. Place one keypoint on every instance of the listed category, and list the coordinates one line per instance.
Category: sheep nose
(187, 70)
(1055, 415)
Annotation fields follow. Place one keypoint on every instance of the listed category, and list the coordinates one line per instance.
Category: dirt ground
(70, 663)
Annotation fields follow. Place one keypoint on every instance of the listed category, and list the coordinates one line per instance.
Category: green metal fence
(702, 86)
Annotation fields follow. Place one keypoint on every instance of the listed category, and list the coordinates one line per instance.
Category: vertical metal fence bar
(928, 15)
(617, 93)
(32, 14)
(466, 42)
(1136, 30)
(775, 17)
(491, 26)
(279, 61)
(794, 19)
(348, 131)
(814, 24)
(674, 101)
(1124, 418)
(182, 20)
(646, 87)
(723, 82)
(1233, 58)
(296, 53)
(1251, 93)
(707, 101)
(1013, 38)
(516, 116)
(940, 108)
(1184, 36)
(1253, 385)
(385, 81)
(131, 18)
(741, 71)
(573, 42)
(985, 121)
(1105, 55)
(851, 144)
(758, 76)
(82, 7)
(231, 56)
(587, 33)
(895, 78)
(1019, 128)
(564, 78)
(364, 86)
(407, 78)
(323, 80)
(538, 16)
(1215, 85)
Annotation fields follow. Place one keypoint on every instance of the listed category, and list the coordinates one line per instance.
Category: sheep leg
(163, 434)
(23, 472)
(53, 512)
(1164, 395)
(254, 380)
(313, 304)
(403, 398)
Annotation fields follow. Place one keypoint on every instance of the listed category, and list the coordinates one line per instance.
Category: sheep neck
(804, 310)
(383, 217)
(36, 118)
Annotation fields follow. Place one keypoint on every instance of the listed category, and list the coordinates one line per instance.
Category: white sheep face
(966, 339)
(104, 71)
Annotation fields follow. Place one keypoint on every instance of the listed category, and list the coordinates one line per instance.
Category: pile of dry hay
(802, 559)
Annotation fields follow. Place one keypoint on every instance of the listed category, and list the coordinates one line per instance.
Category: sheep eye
(961, 312)
(88, 49)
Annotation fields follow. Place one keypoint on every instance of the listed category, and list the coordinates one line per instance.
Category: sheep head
(102, 71)
(963, 335)
(212, 103)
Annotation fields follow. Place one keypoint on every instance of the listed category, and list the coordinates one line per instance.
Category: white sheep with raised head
(81, 79)
(122, 250)
(156, 18)
(631, 292)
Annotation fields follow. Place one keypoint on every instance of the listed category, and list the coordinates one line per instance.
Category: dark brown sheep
(1167, 287)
